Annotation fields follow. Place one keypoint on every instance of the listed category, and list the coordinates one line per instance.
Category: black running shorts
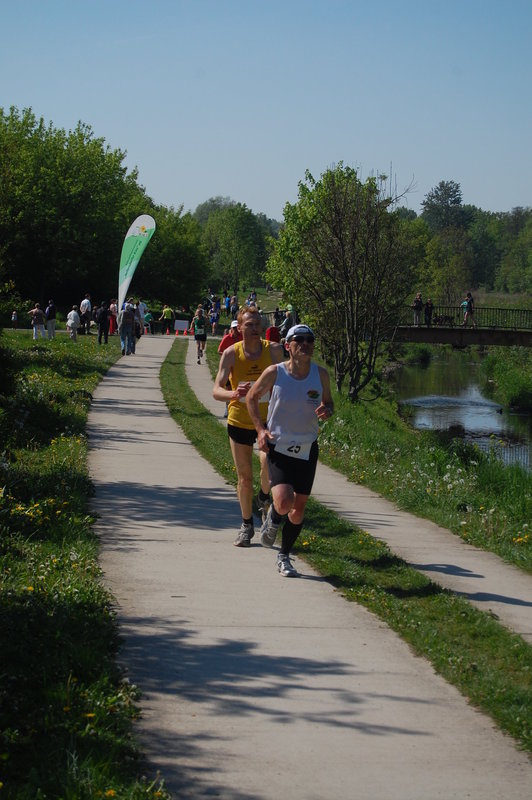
(242, 435)
(297, 472)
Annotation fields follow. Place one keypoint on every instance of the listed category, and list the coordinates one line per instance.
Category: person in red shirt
(273, 334)
(230, 338)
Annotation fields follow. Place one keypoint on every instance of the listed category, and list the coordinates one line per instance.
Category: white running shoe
(268, 531)
(285, 567)
(244, 535)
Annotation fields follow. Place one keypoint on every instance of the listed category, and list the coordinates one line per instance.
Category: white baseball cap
(234, 324)
(298, 330)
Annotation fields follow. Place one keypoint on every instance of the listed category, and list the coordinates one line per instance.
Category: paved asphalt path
(255, 686)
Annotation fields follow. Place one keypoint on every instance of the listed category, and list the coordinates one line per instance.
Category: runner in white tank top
(292, 420)
(300, 396)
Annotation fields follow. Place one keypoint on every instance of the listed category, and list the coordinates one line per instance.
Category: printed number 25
(294, 448)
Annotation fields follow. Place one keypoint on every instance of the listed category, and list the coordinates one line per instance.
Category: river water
(446, 395)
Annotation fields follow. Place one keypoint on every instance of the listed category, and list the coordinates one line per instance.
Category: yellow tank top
(245, 370)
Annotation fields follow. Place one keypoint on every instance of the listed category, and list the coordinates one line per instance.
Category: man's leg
(291, 530)
(264, 474)
(242, 457)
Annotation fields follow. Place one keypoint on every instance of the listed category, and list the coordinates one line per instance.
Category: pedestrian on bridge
(429, 310)
(417, 305)
(469, 310)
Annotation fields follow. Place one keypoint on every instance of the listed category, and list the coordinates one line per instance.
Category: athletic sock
(289, 535)
(248, 521)
(263, 496)
(277, 518)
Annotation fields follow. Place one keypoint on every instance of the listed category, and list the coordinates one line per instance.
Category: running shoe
(244, 535)
(285, 567)
(263, 506)
(268, 532)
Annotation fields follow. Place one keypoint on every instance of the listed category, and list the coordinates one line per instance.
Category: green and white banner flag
(134, 245)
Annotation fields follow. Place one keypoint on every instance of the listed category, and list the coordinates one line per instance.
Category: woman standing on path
(37, 321)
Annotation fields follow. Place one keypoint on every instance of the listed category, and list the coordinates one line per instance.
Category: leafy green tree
(407, 214)
(204, 210)
(174, 267)
(515, 270)
(448, 265)
(442, 207)
(236, 247)
(65, 204)
(342, 257)
(485, 249)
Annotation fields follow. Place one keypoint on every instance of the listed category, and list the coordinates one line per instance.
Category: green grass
(455, 485)
(508, 373)
(65, 710)
(490, 665)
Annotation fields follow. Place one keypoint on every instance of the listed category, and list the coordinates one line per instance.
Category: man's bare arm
(262, 386)
(326, 407)
(219, 390)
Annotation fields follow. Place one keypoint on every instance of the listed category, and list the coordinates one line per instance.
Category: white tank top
(292, 416)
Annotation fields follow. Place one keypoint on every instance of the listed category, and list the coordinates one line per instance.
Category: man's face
(251, 327)
(301, 346)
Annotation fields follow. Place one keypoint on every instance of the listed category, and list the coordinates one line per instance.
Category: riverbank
(508, 375)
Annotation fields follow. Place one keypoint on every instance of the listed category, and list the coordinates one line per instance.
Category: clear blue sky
(240, 97)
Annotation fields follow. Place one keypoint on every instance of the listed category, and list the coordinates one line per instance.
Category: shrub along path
(254, 685)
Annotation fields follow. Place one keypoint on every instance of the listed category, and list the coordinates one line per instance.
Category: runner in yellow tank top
(247, 371)
(242, 364)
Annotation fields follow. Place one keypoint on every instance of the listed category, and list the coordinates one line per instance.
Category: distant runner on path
(199, 327)
(242, 364)
(300, 397)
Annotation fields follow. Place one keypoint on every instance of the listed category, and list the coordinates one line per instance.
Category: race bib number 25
(294, 449)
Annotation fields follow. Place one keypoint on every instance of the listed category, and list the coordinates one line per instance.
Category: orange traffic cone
(168, 331)
(176, 332)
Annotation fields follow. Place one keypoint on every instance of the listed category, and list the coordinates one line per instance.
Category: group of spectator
(419, 306)
(105, 316)
(130, 321)
(40, 320)
(467, 307)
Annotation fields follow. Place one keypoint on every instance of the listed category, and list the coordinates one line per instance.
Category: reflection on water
(445, 396)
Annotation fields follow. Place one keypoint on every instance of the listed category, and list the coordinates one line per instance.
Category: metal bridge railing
(453, 316)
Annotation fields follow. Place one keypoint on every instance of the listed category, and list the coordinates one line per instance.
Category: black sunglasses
(301, 338)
